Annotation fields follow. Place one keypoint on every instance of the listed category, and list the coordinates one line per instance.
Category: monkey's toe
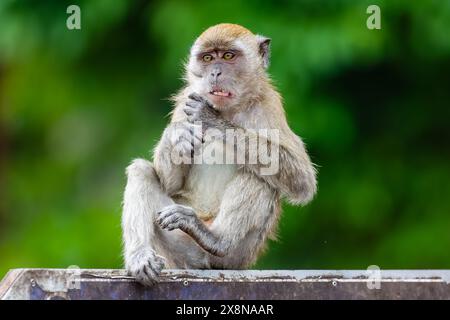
(146, 268)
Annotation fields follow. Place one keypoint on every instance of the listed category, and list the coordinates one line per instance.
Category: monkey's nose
(216, 73)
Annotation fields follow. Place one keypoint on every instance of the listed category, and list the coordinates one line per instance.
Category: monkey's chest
(205, 187)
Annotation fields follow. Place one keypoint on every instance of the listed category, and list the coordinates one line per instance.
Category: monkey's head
(226, 62)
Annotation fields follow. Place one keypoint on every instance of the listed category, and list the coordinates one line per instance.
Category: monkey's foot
(146, 266)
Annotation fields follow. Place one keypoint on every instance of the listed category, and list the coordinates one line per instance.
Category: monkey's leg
(144, 241)
(247, 217)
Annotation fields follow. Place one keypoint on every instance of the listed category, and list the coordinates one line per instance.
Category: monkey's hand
(176, 217)
(145, 265)
(198, 109)
(181, 217)
(184, 137)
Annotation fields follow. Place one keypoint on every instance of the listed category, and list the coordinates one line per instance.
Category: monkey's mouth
(221, 93)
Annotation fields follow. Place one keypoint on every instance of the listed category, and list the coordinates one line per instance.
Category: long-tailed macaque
(212, 214)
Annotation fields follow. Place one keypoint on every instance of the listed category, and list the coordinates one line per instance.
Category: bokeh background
(372, 106)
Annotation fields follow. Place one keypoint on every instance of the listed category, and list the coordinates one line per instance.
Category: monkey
(215, 216)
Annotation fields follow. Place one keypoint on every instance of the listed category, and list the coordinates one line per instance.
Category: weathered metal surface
(37, 284)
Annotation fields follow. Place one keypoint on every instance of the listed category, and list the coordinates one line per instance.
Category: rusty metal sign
(75, 284)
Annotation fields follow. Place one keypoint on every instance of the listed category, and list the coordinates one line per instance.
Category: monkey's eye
(207, 57)
(228, 55)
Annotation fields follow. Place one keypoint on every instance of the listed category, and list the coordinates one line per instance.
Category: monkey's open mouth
(221, 93)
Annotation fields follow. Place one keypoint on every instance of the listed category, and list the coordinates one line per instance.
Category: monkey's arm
(247, 216)
(295, 176)
(184, 218)
(176, 144)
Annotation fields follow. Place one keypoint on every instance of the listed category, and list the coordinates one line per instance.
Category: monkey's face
(221, 75)
(226, 63)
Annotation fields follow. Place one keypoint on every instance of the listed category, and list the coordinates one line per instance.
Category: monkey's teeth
(220, 93)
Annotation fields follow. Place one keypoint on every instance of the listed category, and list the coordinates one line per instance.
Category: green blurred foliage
(372, 106)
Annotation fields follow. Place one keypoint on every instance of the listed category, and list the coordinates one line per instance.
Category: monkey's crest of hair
(223, 34)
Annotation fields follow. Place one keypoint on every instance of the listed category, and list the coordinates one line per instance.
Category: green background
(371, 105)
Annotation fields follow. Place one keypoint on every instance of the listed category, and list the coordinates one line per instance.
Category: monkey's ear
(264, 49)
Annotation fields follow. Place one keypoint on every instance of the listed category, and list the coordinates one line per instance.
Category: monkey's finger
(164, 215)
(169, 221)
(147, 270)
(197, 140)
(146, 276)
(192, 118)
(164, 224)
(189, 110)
(183, 147)
(196, 130)
(173, 227)
(189, 140)
(196, 134)
(170, 212)
(196, 97)
(194, 105)
(170, 226)
(199, 98)
(145, 280)
(150, 273)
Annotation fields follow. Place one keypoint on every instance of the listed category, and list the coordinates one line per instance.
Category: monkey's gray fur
(220, 215)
